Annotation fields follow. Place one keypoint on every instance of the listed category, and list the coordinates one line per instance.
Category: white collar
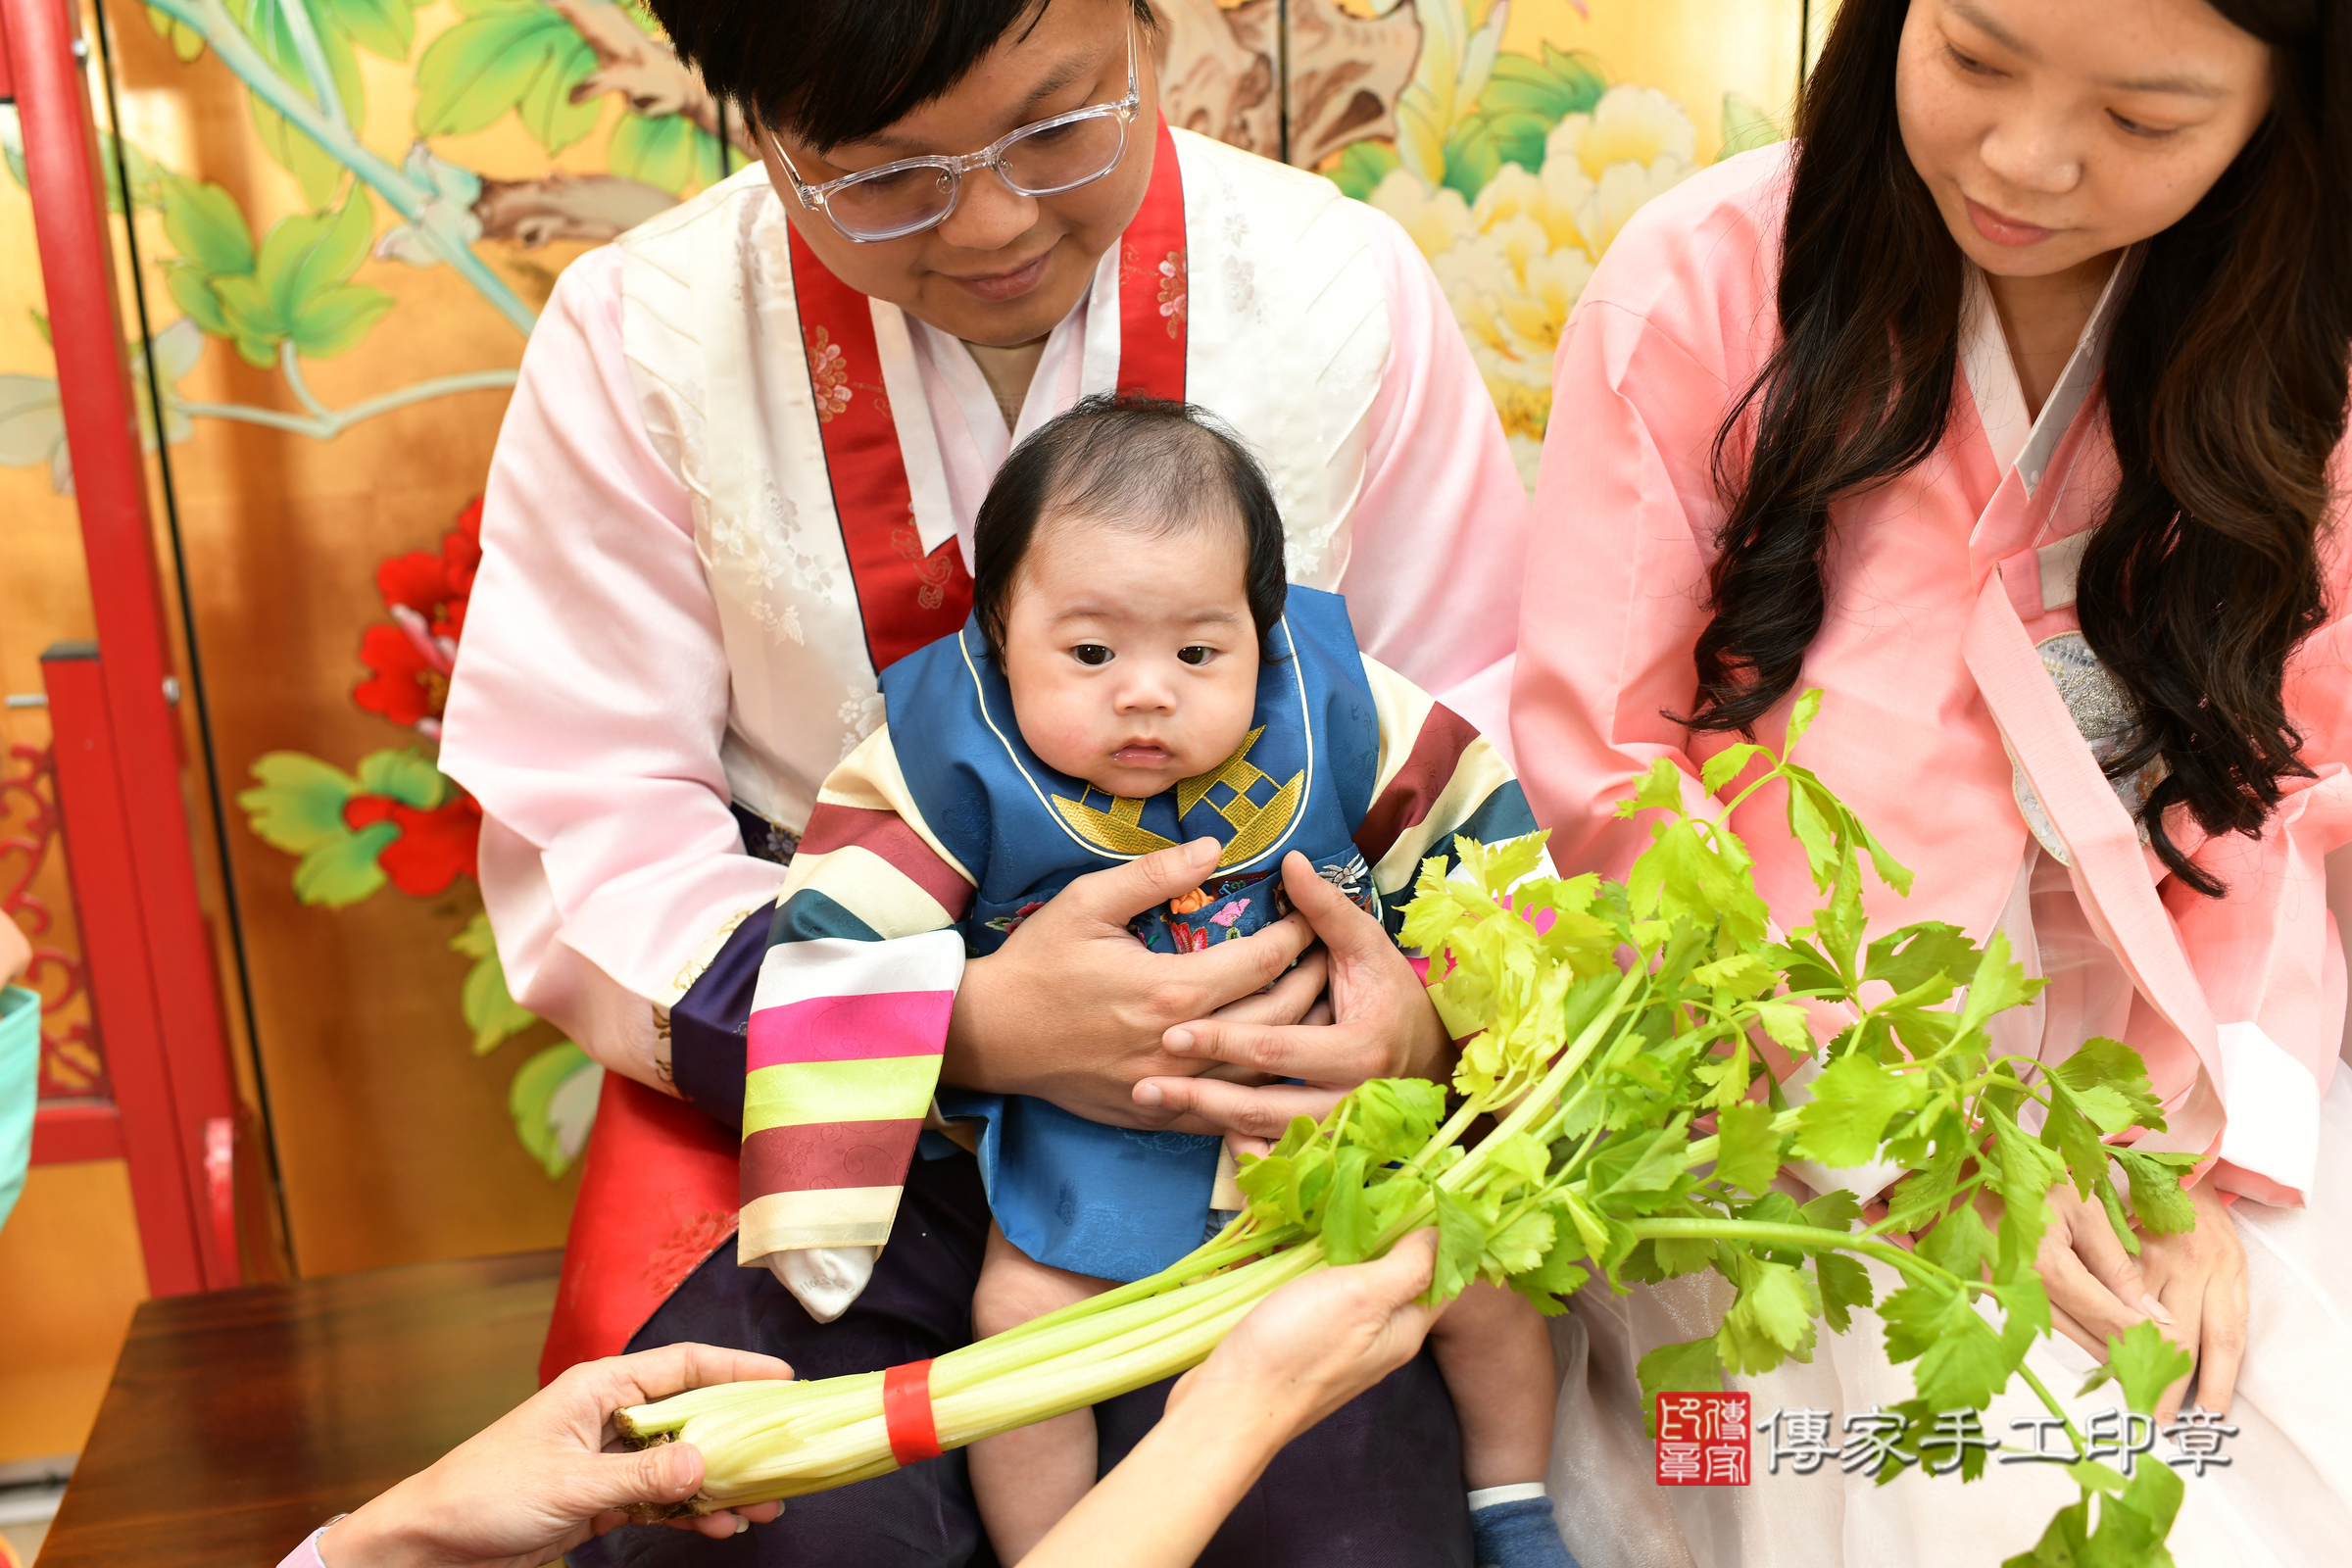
(2027, 444)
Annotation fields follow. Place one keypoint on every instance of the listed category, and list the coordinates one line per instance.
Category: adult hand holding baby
(1074, 1010)
(1380, 1023)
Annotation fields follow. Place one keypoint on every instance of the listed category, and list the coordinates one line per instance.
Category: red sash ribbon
(906, 598)
(906, 1417)
(659, 1187)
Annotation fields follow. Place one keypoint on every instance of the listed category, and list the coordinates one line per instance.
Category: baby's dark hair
(1127, 459)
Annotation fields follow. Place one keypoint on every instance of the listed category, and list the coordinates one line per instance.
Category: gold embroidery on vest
(1120, 829)
(1255, 825)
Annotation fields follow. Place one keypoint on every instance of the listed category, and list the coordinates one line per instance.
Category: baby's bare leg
(1496, 1357)
(1026, 1479)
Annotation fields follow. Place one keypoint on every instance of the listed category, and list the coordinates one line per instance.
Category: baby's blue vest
(1108, 1202)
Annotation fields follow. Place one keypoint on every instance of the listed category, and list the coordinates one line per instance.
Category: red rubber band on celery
(906, 1413)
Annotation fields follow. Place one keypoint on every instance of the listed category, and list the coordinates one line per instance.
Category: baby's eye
(1196, 654)
(1090, 653)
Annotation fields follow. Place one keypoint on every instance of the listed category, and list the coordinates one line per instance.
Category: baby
(1136, 674)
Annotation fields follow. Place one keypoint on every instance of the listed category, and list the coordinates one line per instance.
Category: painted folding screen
(342, 218)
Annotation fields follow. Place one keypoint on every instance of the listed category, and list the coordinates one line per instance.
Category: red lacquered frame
(118, 762)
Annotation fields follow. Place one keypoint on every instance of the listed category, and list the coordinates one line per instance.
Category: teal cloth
(20, 1082)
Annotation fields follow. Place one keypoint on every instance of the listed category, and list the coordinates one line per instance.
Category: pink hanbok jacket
(1961, 704)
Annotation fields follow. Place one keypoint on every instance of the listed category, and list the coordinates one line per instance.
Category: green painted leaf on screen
(298, 805)
(1746, 127)
(672, 153)
(185, 41)
(506, 55)
(1523, 100)
(491, 1012)
(552, 1100)
(298, 290)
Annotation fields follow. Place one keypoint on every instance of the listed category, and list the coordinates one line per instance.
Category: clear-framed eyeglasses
(913, 194)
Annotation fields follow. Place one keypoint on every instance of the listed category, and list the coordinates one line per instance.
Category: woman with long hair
(2006, 408)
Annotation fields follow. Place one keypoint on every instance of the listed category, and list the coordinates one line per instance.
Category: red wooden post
(143, 869)
(123, 994)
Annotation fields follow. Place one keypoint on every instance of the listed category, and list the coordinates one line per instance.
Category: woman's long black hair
(2226, 388)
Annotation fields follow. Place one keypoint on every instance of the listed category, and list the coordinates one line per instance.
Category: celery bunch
(1612, 1036)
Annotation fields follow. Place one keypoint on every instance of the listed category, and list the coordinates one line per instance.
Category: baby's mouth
(1143, 754)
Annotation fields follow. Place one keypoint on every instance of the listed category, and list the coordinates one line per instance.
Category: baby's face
(1132, 658)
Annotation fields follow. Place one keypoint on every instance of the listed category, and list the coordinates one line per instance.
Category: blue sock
(1518, 1534)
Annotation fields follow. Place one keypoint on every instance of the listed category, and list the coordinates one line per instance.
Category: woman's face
(1004, 267)
(2051, 134)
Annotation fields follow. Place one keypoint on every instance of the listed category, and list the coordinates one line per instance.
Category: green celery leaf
(1349, 1233)
(1694, 1364)
(1834, 1210)
(1785, 1023)
(2064, 1543)
(1772, 1319)
(2024, 1313)
(1959, 1243)
(1635, 1165)
(1750, 1155)
(2110, 1085)
(1801, 714)
(1916, 954)
(1854, 1099)
(2076, 1140)
(1726, 765)
(2157, 1199)
(1742, 974)
(1678, 1255)
(1844, 1285)
(1464, 1229)
(2023, 1170)
(1962, 1362)
(1520, 1247)
(2144, 1363)
(1999, 983)
(1546, 1284)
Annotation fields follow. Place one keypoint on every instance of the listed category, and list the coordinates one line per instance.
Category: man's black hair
(838, 70)
(1136, 462)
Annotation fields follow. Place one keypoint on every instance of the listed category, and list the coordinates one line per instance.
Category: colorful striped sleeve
(1439, 777)
(850, 1017)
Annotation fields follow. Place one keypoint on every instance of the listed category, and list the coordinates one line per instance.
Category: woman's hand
(1074, 1010)
(1382, 1025)
(1316, 1344)
(2193, 1285)
(2095, 1288)
(2198, 1277)
(541, 1480)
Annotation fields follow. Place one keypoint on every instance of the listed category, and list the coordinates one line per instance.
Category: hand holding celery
(1608, 1023)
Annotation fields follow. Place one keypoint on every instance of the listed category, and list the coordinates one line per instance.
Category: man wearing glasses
(738, 479)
